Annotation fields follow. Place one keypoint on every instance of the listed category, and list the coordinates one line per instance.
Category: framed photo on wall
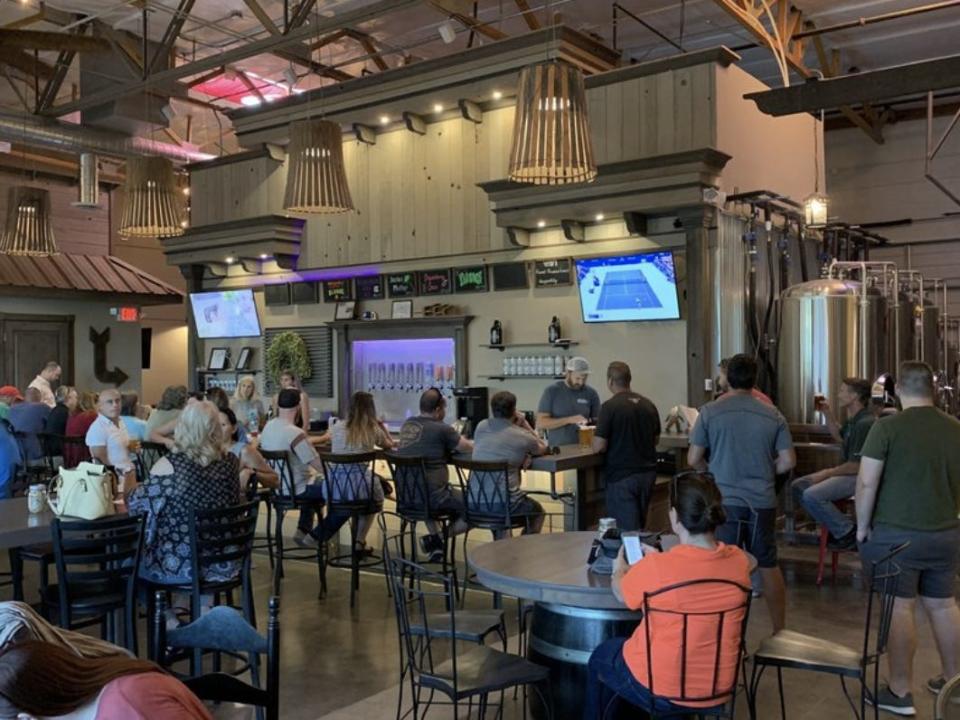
(402, 309)
(243, 359)
(218, 358)
(345, 310)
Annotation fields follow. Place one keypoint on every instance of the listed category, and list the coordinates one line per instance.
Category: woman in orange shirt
(619, 666)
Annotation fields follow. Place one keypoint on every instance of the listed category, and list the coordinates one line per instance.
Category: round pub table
(574, 609)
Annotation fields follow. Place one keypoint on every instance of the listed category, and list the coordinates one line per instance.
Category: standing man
(42, 382)
(749, 444)
(908, 489)
(723, 386)
(818, 492)
(108, 440)
(428, 436)
(568, 403)
(627, 433)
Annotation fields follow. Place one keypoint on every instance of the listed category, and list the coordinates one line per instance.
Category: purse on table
(84, 492)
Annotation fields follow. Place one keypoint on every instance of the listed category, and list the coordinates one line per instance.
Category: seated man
(9, 396)
(10, 458)
(508, 437)
(29, 417)
(109, 442)
(818, 492)
(428, 436)
(282, 434)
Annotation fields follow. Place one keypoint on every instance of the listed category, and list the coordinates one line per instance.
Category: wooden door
(29, 342)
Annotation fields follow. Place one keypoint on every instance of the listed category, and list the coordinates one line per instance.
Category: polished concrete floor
(340, 664)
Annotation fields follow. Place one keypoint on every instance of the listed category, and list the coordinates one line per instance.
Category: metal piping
(29, 130)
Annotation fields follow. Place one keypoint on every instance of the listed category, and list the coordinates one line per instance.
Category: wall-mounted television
(626, 288)
(225, 314)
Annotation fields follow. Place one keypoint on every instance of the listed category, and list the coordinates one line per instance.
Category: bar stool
(348, 487)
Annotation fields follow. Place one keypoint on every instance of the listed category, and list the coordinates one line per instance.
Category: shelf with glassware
(562, 343)
(531, 367)
(226, 379)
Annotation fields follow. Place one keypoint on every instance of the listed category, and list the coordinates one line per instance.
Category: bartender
(567, 404)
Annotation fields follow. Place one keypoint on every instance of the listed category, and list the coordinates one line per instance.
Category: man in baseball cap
(568, 403)
(8, 396)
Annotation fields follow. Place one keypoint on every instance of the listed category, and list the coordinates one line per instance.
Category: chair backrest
(725, 624)
(221, 542)
(52, 446)
(486, 493)
(746, 527)
(278, 460)
(420, 594)
(96, 555)
(224, 629)
(884, 576)
(410, 480)
(348, 480)
(147, 457)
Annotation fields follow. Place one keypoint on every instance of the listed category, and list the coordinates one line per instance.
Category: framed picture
(218, 358)
(402, 309)
(243, 359)
(345, 310)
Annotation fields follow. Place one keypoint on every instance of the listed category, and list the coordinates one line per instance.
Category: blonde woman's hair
(237, 395)
(198, 434)
(363, 430)
(87, 401)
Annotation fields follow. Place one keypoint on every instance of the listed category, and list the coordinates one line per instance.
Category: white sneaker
(304, 540)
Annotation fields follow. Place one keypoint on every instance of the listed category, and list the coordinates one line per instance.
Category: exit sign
(128, 314)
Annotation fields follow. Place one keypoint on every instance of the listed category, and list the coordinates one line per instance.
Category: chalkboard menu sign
(470, 279)
(305, 292)
(551, 273)
(402, 284)
(369, 287)
(434, 282)
(510, 276)
(338, 290)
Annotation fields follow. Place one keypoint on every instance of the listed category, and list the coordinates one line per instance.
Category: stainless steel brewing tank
(932, 343)
(907, 335)
(826, 336)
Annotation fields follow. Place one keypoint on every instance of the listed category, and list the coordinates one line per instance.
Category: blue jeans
(609, 678)
(314, 492)
(818, 501)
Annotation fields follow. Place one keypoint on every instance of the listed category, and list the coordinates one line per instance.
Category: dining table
(19, 527)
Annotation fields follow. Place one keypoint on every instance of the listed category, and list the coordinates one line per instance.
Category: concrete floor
(340, 664)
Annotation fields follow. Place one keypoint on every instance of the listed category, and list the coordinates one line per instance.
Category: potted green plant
(287, 351)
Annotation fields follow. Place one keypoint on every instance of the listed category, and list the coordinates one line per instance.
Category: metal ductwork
(29, 130)
(88, 191)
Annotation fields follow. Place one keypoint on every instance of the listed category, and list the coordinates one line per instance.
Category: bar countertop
(574, 457)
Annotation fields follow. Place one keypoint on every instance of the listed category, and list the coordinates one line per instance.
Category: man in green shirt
(818, 491)
(908, 489)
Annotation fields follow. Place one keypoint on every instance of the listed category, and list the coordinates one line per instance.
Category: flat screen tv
(225, 314)
(627, 288)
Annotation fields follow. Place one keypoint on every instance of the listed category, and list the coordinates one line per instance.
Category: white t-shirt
(103, 432)
(281, 436)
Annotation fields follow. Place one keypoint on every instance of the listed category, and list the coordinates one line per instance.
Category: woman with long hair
(196, 475)
(362, 432)
(251, 461)
(248, 406)
(41, 680)
(289, 380)
(620, 667)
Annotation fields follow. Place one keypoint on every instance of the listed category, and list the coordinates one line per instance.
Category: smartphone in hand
(632, 545)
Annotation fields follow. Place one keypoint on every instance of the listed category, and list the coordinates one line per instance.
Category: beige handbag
(84, 492)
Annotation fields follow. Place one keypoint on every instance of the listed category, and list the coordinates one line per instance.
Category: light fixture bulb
(384, 119)
(815, 209)
(263, 256)
(497, 94)
(250, 100)
(599, 217)
(230, 259)
(541, 223)
(437, 108)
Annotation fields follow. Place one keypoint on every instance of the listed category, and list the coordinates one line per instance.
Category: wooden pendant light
(316, 177)
(551, 130)
(29, 229)
(152, 205)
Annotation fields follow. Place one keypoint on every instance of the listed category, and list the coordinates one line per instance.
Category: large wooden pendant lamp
(152, 206)
(29, 229)
(551, 130)
(316, 177)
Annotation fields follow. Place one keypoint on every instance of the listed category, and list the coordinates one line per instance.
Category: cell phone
(633, 547)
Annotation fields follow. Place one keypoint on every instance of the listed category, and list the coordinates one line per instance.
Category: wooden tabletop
(551, 567)
(18, 527)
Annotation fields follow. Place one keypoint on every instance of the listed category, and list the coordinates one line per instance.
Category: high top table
(18, 527)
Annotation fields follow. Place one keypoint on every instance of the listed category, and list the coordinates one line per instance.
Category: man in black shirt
(627, 432)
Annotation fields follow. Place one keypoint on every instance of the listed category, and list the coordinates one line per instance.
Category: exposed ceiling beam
(868, 121)
(201, 79)
(124, 46)
(25, 62)
(789, 21)
(251, 86)
(367, 43)
(172, 32)
(867, 87)
(52, 88)
(25, 21)
(448, 9)
(300, 15)
(16, 89)
(528, 15)
(328, 39)
(262, 16)
(37, 40)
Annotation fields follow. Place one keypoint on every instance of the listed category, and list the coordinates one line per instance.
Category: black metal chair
(348, 486)
(789, 649)
(421, 598)
(726, 622)
(224, 630)
(414, 506)
(948, 700)
(283, 500)
(147, 457)
(260, 493)
(97, 563)
(221, 542)
(35, 468)
(52, 446)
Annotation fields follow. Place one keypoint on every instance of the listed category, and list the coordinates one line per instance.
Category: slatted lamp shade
(29, 230)
(152, 206)
(316, 177)
(551, 130)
